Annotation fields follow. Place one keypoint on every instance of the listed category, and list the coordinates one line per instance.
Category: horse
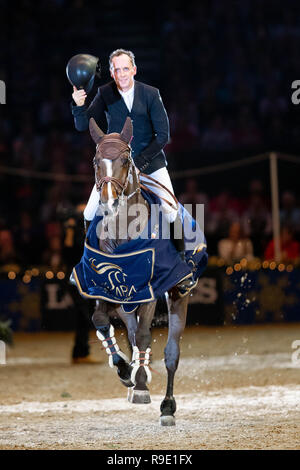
(117, 180)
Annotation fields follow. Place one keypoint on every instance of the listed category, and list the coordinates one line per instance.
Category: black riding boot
(86, 225)
(186, 285)
(177, 242)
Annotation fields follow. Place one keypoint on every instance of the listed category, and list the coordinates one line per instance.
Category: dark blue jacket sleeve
(161, 129)
(82, 114)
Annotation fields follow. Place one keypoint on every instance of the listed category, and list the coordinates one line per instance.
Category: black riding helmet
(81, 70)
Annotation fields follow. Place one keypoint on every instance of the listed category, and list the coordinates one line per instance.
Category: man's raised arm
(82, 114)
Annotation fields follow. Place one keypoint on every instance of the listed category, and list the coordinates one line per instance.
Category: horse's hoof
(138, 396)
(124, 373)
(167, 420)
(127, 383)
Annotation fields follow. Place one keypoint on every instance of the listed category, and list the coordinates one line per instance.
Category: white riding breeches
(161, 175)
(92, 205)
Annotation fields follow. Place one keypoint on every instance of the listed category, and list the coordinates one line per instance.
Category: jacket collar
(117, 99)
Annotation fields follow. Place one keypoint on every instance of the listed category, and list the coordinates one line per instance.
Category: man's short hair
(118, 52)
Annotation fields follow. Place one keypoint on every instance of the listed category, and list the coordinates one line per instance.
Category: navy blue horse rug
(142, 269)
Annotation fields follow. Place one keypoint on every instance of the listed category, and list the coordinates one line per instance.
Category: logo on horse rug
(116, 278)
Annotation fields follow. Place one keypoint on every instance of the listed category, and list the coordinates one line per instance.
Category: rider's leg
(172, 216)
(163, 177)
(91, 207)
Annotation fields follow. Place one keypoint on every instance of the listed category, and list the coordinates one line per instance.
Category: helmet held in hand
(81, 71)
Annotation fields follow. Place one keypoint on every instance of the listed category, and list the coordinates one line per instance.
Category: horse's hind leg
(141, 345)
(177, 320)
(105, 332)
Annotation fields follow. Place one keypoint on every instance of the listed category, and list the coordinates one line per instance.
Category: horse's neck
(132, 219)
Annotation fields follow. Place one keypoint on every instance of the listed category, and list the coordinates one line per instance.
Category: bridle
(115, 181)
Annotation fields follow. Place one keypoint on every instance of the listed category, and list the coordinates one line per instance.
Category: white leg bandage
(112, 348)
(140, 359)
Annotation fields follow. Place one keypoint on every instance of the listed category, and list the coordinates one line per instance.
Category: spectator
(289, 213)
(7, 247)
(257, 223)
(192, 195)
(223, 212)
(289, 247)
(52, 256)
(28, 239)
(256, 187)
(236, 246)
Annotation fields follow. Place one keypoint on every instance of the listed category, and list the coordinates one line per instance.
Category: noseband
(125, 149)
(109, 179)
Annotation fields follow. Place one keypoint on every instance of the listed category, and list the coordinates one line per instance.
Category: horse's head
(113, 164)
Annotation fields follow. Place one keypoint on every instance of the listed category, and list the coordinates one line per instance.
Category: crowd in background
(226, 77)
(228, 70)
(241, 227)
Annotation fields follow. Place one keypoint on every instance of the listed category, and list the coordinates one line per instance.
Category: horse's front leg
(105, 333)
(177, 320)
(141, 350)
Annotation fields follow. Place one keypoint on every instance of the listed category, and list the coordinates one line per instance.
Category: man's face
(123, 72)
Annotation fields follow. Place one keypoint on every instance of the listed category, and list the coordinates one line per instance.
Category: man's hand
(141, 163)
(79, 96)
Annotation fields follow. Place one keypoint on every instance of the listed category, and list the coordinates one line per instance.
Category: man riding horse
(127, 274)
(113, 103)
(127, 270)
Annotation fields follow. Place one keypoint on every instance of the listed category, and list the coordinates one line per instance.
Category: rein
(157, 184)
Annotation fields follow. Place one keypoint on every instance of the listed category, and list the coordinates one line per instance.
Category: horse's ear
(95, 131)
(127, 131)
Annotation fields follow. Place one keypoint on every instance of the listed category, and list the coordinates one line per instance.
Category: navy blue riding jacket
(149, 119)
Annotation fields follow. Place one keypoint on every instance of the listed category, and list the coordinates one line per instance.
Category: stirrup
(187, 284)
(184, 287)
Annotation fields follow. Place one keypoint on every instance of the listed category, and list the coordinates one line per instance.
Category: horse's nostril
(110, 207)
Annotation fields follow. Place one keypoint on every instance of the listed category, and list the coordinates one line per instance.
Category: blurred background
(225, 71)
